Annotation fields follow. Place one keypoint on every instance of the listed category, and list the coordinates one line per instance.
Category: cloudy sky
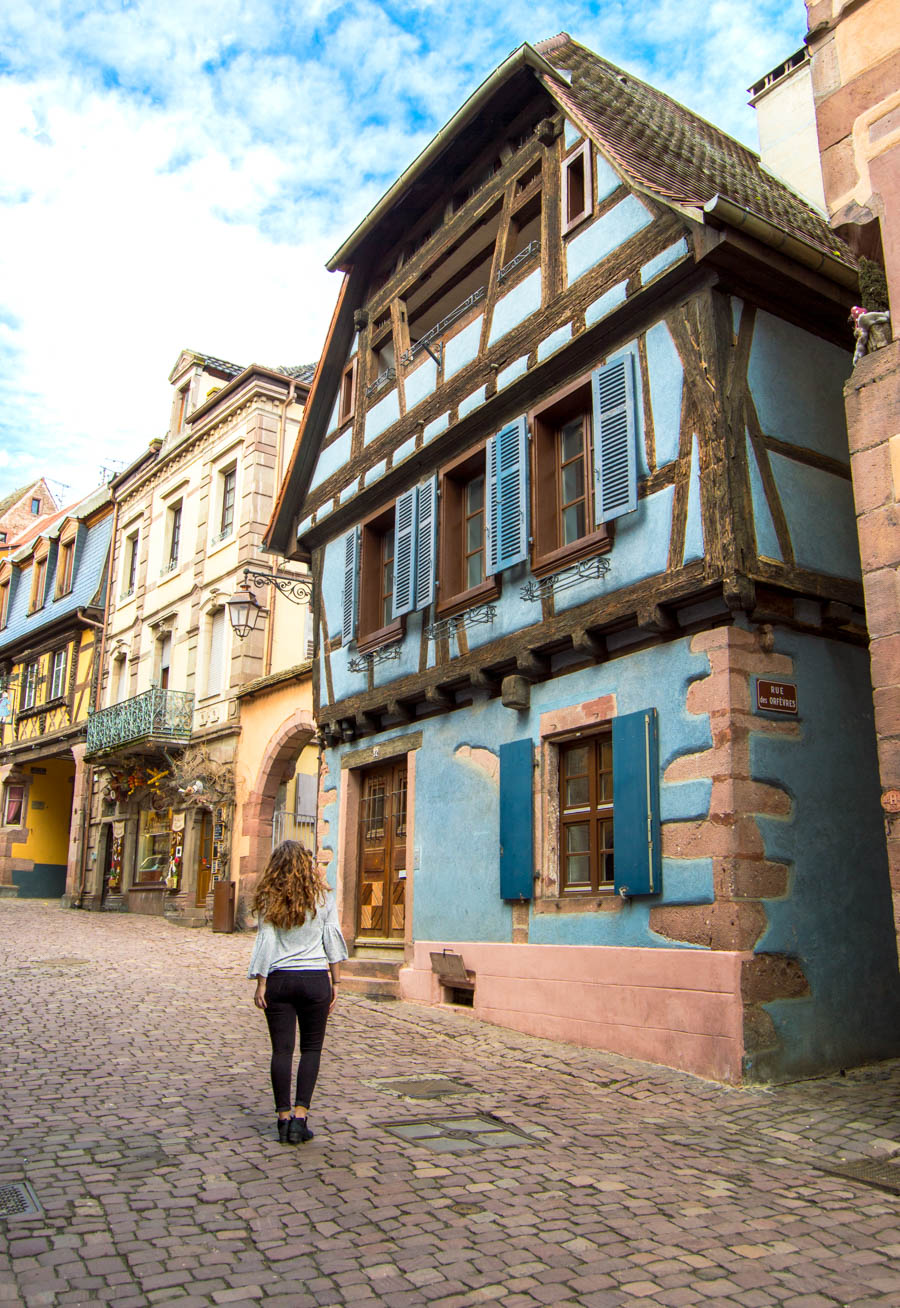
(176, 172)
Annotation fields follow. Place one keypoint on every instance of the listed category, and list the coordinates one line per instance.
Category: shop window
(65, 567)
(586, 850)
(463, 563)
(14, 806)
(154, 847)
(58, 673)
(577, 188)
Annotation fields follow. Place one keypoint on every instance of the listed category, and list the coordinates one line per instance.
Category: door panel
(382, 853)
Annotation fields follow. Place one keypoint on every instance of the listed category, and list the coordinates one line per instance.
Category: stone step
(375, 978)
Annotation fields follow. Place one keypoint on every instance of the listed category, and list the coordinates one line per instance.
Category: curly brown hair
(290, 888)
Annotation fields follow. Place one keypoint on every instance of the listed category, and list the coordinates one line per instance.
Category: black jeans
(293, 997)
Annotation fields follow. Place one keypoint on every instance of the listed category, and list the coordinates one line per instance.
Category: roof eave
(524, 56)
(721, 209)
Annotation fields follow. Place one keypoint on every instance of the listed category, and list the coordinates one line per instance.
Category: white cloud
(176, 173)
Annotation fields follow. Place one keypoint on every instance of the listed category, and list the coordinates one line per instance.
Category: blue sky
(174, 173)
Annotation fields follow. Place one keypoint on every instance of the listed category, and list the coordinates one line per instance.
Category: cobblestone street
(136, 1104)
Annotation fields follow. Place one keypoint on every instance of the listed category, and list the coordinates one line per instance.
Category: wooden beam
(653, 617)
(586, 643)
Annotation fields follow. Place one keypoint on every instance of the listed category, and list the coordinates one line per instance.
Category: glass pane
(475, 495)
(572, 440)
(607, 875)
(474, 570)
(577, 793)
(578, 838)
(573, 482)
(573, 524)
(578, 870)
(604, 769)
(474, 531)
(577, 761)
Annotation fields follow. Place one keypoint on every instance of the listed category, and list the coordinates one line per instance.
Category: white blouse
(306, 948)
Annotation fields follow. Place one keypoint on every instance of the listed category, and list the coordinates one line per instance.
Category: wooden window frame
(227, 528)
(598, 812)
(545, 423)
(64, 651)
(453, 596)
(36, 506)
(173, 535)
(65, 566)
(30, 677)
(38, 582)
(581, 155)
(371, 633)
(4, 603)
(9, 792)
(347, 393)
(184, 397)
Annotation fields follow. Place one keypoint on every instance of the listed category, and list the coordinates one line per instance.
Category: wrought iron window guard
(156, 713)
(381, 381)
(424, 342)
(522, 257)
(583, 570)
(297, 589)
(216, 540)
(168, 567)
(384, 654)
(481, 615)
(127, 594)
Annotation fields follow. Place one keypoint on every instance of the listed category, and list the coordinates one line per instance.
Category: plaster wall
(788, 141)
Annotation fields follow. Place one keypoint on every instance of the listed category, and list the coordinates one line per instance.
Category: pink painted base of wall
(677, 1007)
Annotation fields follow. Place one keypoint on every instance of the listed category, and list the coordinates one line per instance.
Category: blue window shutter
(507, 489)
(351, 585)
(426, 542)
(615, 453)
(516, 825)
(636, 837)
(405, 553)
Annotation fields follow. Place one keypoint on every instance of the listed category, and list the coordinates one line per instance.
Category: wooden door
(382, 853)
(204, 856)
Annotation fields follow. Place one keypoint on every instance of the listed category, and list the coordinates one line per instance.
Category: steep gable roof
(672, 152)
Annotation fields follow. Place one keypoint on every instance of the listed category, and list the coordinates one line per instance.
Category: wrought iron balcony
(155, 715)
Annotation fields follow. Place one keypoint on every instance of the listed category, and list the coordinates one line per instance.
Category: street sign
(776, 697)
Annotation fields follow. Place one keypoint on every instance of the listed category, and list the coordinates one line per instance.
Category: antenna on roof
(59, 488)
(109, 469)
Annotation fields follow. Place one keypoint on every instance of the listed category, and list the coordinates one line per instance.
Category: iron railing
(156, 714)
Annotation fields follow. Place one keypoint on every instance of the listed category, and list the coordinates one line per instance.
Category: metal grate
(458, 1135)
(883, 1176)
(17, 1199)
(422, 1087)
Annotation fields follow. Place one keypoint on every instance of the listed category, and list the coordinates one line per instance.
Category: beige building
(786, 123)
(172, 784)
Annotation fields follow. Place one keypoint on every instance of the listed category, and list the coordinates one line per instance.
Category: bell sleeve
(263, 951)
(332, 941)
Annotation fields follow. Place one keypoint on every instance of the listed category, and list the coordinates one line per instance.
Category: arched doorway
(278, 805)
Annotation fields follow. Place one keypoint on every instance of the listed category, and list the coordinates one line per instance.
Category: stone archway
(258, 810)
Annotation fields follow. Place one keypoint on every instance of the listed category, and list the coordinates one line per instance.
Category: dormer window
(38, 584)
(65, 567)
(4, 604)
(577, 188)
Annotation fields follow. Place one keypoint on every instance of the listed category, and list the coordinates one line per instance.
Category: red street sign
(776, 696)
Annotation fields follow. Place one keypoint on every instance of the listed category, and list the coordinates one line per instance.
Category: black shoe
(283, 1125)
(298, 1132)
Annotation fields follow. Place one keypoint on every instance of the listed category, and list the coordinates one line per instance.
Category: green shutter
(516, 819)
(636, 835)
(615, 451)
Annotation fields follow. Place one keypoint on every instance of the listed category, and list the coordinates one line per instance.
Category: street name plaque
(776, 697)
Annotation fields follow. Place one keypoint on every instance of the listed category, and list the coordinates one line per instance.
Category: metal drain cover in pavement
(458, 1135)
(421, 1087)
(884, 1176)
(17, 1199)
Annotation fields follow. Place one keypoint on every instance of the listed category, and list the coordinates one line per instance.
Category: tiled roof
(660, 145)
(221, 365)
(7, 503)
(303, 372)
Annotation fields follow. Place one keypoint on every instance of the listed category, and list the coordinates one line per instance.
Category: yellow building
(52, 602)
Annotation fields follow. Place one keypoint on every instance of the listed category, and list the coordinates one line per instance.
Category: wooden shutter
(426, 542)
(351, 586)
(405, 553)
(516, 824)
(506, 523)
(305, 795)
(638, 862)
(615, 455)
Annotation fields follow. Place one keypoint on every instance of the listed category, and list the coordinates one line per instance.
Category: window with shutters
(463, 577)
(586, 857)
(4, 604)
(563, 508)
(376, 624)
(215, 653)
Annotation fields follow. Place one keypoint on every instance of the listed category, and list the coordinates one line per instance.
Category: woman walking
(294, 963)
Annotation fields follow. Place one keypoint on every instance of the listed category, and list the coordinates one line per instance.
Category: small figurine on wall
(871, 320)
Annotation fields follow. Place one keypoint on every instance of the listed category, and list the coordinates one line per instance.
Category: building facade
(52, 603)
(855, 61)
(24, 509)
(164, 741)
(584, 641)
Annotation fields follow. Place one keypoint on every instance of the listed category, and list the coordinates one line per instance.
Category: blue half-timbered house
(591, 677)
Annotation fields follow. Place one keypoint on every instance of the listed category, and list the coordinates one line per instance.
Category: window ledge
(599, 542)
(384, 636)
(467, 599)
(607, 901)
